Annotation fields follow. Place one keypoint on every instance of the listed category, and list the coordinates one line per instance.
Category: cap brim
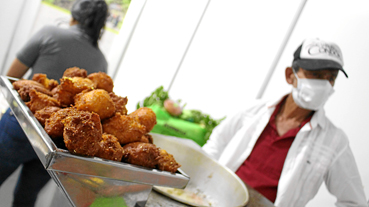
(318, 64)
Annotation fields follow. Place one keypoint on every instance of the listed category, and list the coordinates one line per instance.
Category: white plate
(210, 182)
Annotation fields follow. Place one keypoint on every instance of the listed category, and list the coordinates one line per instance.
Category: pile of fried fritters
(83, 115)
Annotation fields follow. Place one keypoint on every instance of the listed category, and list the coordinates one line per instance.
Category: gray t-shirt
(52, 50)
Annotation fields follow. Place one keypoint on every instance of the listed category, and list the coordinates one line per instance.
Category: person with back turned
(50, 51)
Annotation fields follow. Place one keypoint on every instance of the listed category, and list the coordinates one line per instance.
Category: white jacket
(320, 152)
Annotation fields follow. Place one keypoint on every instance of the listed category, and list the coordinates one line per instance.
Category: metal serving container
(84, 180)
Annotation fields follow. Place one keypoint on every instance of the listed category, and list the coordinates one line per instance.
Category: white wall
(16, 18)
(228, 57)
(157, 45)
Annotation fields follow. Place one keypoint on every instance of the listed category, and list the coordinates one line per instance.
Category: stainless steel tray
(83, 179)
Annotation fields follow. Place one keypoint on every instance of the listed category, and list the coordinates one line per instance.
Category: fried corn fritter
(83, 115)
(40, 100)
(69, 87)
(47, 83)
(119, 103)
(23, 88)
(167, 162)
(102, 81)
(142, 154)
(110, 148)
(147, 138)
(54, 126)
(146, 117)
(97, 101)
(64, 97)
(82, 132)
(125, 128)
(45, 113)
(75, 72)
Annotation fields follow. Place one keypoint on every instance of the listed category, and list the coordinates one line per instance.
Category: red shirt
(262, 169)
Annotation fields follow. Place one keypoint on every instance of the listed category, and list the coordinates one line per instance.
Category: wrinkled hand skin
(82, 133)
(97, 101)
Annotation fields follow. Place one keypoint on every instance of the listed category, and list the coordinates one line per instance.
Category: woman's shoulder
(55, 31)
(51, 28)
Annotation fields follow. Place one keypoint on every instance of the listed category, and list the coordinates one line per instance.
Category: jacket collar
(317, 119)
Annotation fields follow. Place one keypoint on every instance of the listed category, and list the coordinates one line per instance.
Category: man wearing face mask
(287, 148)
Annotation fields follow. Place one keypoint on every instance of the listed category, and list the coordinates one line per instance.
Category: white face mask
(311, 93)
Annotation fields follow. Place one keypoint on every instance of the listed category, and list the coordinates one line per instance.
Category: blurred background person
(50, 51)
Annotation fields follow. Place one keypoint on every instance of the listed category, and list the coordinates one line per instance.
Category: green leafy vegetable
(195, 116)
(202, 119)
(157, 97)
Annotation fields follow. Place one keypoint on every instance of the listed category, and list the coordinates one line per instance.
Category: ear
(73, 22)
(289, 75)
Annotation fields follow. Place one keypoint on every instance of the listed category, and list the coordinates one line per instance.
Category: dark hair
(295, 66)
(91, 16)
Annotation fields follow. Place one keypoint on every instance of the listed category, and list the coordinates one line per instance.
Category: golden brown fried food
(39, 101)
(97, 101)
(24, 87)
(64, 97)
(124, 127)
(147, 138)
(54, 90)
(54, 126)
(75, 72)
(45, 113)
(102, 81)
(145, 116)
(110, 148)
(69, 87)
(82, 133)
(142, 154)
(20, 83)
(167, 162)
(47, 83)
(119, 103)
(98, 124)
